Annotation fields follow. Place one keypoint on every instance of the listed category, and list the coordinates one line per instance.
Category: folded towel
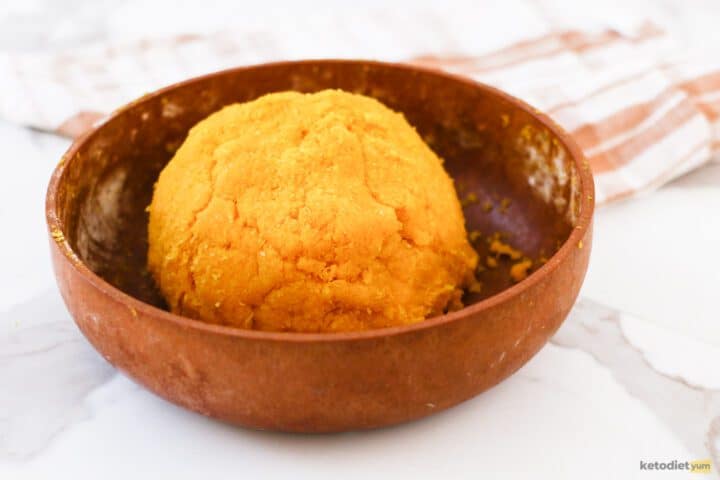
(642, 111)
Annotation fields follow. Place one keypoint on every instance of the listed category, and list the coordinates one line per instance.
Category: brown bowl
(500, 150)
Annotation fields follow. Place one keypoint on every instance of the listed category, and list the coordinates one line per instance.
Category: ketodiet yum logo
(692, 466)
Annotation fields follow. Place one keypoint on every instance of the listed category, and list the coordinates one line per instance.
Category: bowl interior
(514, 176)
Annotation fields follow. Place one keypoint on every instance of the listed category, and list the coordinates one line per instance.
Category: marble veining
(46, 370)
(689, 410)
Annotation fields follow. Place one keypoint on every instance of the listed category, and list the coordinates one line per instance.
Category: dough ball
(308, 213)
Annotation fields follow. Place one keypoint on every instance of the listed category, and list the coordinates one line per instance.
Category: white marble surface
(610, 390)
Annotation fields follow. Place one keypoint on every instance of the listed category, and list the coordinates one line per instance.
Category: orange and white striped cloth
(642, 112)
(640, 123)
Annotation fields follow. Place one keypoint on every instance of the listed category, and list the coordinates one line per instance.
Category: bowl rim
(574, 240)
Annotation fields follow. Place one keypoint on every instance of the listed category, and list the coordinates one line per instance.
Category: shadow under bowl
(522, 177)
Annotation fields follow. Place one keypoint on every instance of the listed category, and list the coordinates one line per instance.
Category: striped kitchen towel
(640, 119)
(643, 112)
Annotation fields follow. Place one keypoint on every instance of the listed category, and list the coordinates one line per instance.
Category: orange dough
(309, 213)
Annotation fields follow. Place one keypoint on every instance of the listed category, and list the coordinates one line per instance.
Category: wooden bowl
(499, 150)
